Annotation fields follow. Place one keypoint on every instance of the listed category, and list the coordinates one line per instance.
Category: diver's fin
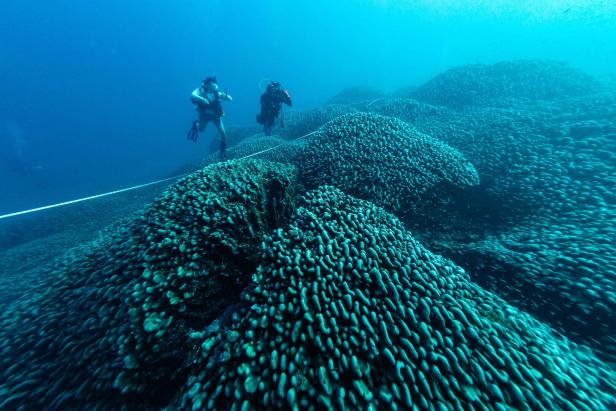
(193, 133)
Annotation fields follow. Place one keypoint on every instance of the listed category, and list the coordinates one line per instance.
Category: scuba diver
(271, 103)
(208, 98)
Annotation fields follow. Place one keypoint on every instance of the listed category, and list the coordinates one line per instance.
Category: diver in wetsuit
(208, 100)
(271, 103)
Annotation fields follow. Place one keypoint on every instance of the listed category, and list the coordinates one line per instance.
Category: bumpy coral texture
(383, 160)
(300, 122)
(350, 312)
(110, 325)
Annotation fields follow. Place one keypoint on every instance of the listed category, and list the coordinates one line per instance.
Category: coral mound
(540, 228)
(272, 148)
(407, 109)
(239, 289)
(112, 322)
(383, 160)
(350, 312)
(297, 123)
(480, 84)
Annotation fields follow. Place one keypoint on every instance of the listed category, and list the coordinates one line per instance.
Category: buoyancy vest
(214, 107)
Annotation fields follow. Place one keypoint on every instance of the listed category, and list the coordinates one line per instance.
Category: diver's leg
(270, 126)
(223, 136)
(202, 122)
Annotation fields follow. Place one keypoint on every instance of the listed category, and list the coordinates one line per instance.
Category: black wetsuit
(271, 103)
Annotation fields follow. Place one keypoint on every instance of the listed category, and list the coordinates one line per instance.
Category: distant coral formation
(355, 95)
(480, 84)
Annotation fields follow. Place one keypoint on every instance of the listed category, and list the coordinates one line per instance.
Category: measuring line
(123, 190)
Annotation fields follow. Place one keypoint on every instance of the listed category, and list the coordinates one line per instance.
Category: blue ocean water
(90, 85)
(430, 225)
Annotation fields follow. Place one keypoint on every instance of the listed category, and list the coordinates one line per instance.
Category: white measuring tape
(79, 200)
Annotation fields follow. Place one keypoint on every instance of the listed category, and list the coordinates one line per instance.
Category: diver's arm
(287, 98)
(196, 97)
(225, 96)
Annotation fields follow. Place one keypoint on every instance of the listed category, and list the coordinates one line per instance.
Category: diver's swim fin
(193, 133)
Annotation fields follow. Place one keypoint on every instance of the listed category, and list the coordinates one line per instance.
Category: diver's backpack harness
(213, 107)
